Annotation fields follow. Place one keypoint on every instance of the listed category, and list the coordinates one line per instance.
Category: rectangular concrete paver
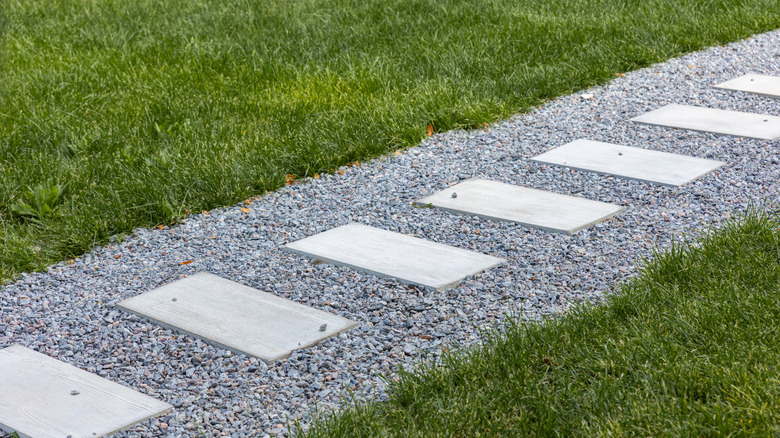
(534, 208)
(42, 397)
(768, 86)
(629, 162)
(715, 121)
(236, 317)
(385, 253)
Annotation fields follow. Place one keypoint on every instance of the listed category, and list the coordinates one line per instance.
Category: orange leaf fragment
(340, 172)
(118, 256)
(397, 153)
(160, 227)
(290, 179)
(316, 176)
(622, 75)
(245, 210)
(429, 130)
(186, 262)
(247, 201)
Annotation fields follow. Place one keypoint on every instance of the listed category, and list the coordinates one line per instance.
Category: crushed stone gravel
(68, 312)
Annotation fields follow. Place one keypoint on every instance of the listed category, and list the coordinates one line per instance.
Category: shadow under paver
(409, 259)
(236, 317)
(714, 121)
(629, 162)
(533, 208)
(42, 397)
(763, 85)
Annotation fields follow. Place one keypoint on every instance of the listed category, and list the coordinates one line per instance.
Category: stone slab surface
(236, 317)
(534, 208)
(714, 120)
(763, 85)
(629, 162)
(42, 397)
(385, 253)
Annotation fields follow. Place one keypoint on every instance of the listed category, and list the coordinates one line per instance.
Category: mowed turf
(118, 114)
(687, 348)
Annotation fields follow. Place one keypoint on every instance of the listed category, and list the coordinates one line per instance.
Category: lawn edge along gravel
(685, 348)
(123, 115)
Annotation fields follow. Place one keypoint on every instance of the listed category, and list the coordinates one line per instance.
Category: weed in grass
(39, 202)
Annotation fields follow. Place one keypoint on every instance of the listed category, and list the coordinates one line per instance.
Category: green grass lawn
(117, 114)
(687, 348)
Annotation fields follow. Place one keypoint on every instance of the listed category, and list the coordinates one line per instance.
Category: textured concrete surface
(237, 317)
(714, 120)
(629, 162)
(763, 85)
(534, 208)
(42, 397)
(384, 253)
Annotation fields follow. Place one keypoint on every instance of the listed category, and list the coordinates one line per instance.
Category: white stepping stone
(384, 253)
(534, 208)
(763, 85)
(628, 162)
(41, 397)
(714, 120)
(236, 317)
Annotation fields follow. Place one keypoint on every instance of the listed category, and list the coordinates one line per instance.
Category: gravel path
(68, 312)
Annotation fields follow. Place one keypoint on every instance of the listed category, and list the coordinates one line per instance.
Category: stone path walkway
(175, 350)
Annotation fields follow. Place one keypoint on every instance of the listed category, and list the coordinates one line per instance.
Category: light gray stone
(715, 121)
(44, 397)
(534, 208)
(384, 253)
(629, 162)
(237, 317)
(763, 85)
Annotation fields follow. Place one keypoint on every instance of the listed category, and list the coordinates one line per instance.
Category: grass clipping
(688, 348)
